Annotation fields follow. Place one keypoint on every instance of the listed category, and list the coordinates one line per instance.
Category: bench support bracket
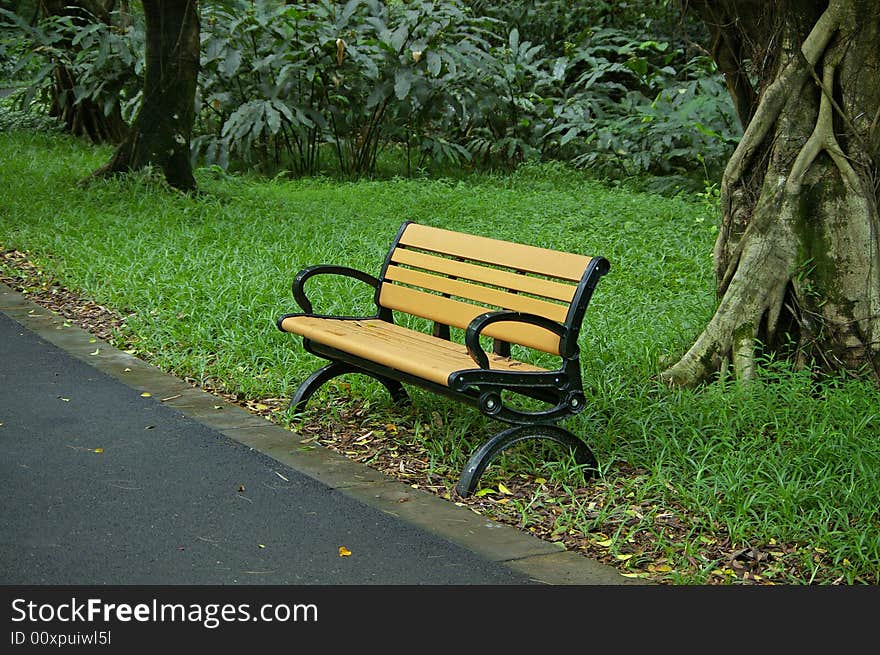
(483, 456)
(323, 375)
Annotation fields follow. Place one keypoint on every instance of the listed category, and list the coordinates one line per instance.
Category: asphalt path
(103, 486)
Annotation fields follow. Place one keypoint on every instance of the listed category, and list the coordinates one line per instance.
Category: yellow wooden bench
(513, 293)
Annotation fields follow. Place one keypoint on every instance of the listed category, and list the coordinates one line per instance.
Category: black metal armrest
(476, 327)
(299, 281)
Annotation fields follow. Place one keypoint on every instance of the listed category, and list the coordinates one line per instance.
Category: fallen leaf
(98, 450)
(261, 545)
(67, 400)
(241, 487)
(344, 552)
(504, 489)
(281, 476)
(605, 543)
(483, 492)
(146, 394)
(97, 352)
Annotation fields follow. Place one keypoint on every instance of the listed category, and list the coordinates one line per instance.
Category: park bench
(490, 289)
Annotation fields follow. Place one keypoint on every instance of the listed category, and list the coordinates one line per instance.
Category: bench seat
(408, 351)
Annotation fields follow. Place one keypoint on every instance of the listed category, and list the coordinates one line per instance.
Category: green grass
(202, 280)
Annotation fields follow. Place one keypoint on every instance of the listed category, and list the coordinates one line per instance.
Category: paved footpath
(113, 472)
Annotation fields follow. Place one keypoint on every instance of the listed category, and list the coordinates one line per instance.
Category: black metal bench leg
(481, 458)
(323, 375)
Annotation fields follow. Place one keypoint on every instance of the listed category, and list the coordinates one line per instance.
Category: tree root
(757, 256)
(751, 305)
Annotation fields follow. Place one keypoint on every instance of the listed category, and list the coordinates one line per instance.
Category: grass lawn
(772, 483)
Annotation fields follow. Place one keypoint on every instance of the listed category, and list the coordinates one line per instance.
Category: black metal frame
(481, 386)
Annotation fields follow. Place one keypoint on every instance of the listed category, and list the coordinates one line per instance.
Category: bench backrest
(451, 278)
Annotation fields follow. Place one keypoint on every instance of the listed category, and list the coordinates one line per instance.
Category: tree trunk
(86, 117)
(161, 132)
(797, 259)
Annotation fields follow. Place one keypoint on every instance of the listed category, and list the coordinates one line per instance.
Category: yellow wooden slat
(499, 278)
(395, 346)
(460, 314)
(521, 257)
(492, 298)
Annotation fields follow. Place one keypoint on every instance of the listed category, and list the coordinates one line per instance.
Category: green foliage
(343, 87)
(285, 84)
(557, 24)
(629, 111)
(103, 61)
(13, 119)
(281, 80)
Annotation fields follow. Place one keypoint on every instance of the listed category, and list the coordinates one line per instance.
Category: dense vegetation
(370, 87)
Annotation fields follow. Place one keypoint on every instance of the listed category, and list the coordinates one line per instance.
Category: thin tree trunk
(161, 132)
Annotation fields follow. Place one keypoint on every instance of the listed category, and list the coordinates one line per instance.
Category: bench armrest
(325, 269)
(472, 334)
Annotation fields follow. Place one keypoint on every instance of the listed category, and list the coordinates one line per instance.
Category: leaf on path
(98, 450)
(344, 552)
(97, 352)
(146, 394)
(67, 400)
